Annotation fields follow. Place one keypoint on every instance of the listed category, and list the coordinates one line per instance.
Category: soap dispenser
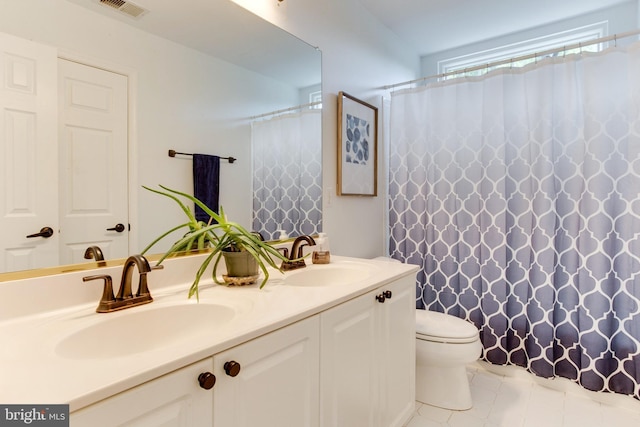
(282, 235)
(321, 253)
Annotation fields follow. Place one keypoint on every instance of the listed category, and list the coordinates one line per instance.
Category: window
(558, 40)
(316, 97)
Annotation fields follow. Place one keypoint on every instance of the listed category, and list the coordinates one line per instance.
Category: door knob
(207, 380)
(45, 232)
(119, 228)
(232, 368)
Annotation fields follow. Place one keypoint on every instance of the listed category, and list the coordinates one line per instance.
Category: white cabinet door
(349, 360)
(277, 382)
(173, 400)
(28, 154)
(398, 328)
(368, 359)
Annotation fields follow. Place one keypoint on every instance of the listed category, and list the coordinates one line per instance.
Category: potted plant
(220, 236)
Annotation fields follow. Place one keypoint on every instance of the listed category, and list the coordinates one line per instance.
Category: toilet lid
(432, 324)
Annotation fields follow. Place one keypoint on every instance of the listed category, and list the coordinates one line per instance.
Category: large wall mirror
(95, 97)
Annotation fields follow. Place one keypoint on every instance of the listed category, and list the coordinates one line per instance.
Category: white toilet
(444, 345)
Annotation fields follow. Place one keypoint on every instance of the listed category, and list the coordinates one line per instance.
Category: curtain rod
(172, 153)
(614, 37)
(284, 110)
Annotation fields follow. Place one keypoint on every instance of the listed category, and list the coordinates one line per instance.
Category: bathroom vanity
(326, 345)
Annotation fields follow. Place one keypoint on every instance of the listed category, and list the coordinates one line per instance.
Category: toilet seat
(444, 328)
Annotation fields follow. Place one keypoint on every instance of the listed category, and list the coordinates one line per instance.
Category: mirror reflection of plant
(223, 235)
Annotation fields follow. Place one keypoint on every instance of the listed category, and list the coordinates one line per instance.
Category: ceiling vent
(126, 7)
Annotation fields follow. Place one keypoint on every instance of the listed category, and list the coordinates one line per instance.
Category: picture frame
(357, 147)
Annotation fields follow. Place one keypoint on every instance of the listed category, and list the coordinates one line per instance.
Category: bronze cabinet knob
(207, 380)
(380, 298)
(232, 368)
(387, 294)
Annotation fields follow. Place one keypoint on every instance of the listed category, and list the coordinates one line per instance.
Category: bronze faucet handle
(285, 252)
(107, 292)
(285, 263)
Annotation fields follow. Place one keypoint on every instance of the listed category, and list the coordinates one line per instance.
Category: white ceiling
(434, 25)
(226, 31)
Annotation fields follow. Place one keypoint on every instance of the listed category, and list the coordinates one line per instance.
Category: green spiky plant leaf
(218, 236)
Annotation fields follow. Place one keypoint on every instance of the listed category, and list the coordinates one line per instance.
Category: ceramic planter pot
(240, 264)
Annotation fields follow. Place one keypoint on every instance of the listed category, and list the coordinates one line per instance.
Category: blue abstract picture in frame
(358, 137)
(357, 147)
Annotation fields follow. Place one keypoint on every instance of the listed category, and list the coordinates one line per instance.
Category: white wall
(359, 56)
(184, 100)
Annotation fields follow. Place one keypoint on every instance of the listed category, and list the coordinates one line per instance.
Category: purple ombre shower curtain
(287, 174)
(518, 194)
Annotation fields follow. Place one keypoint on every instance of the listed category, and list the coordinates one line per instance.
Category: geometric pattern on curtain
(287, 174)
(518, 195)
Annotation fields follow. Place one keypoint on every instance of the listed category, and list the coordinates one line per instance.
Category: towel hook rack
(172, 153)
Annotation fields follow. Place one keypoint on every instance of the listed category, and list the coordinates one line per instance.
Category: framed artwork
(357, 147)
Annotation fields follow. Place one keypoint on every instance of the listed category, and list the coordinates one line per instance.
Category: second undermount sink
(129, 332)
(328, 274)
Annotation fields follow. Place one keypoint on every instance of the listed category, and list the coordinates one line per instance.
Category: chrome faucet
(295, 254)
(94, 252)
(125, 297)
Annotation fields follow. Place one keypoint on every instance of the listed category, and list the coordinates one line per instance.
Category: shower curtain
(518, 194)
(287, 174)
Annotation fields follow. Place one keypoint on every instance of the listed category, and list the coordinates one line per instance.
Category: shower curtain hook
(615, 40)
(580, 46)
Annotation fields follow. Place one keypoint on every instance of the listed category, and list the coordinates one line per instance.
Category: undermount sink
(126, 333)
(327, 274)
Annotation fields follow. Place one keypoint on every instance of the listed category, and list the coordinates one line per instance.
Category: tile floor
(511, 397)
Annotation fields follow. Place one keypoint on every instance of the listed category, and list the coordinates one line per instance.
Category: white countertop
(32, 370)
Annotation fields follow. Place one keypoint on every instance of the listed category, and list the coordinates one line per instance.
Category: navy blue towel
(206, 183)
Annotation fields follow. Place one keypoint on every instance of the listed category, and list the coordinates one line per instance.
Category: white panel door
(93, 162)
(28, 154)
(277, 382)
